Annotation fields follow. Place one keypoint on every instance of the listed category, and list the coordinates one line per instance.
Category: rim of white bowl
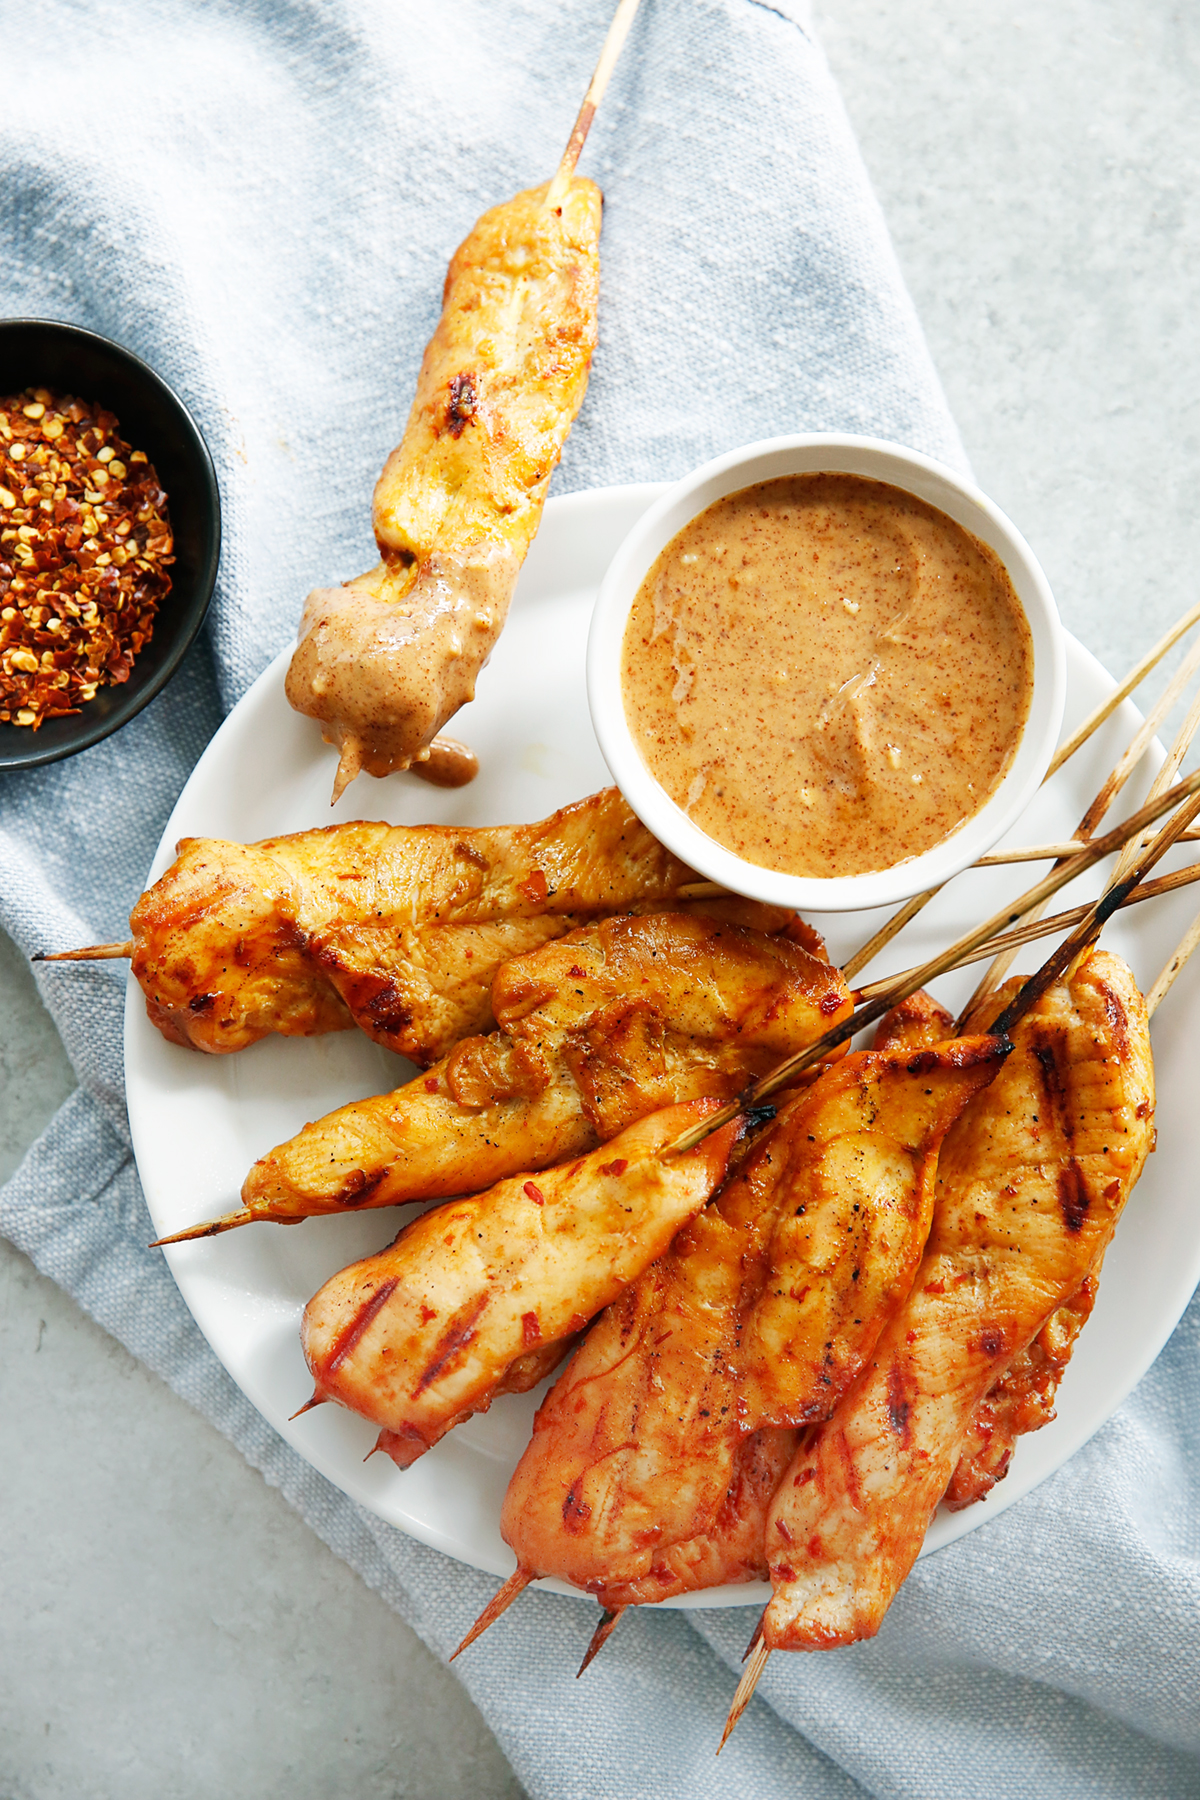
(877, 460)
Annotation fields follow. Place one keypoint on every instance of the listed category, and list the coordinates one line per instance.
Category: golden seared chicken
(396, 929)
(613, 1022)
(1021, 1400)
(1031, 1183)
(481, 1297)
(383, 662)
(653, 1457)
(1022, 1397)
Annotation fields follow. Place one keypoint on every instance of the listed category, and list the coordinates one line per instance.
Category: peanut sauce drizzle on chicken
(616, 1020)
(481, 1297)
(655, 1454)
(1031, 1184)
(384, 661)
(397, 929)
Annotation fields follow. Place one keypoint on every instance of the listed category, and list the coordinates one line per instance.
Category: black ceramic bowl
(69, 360)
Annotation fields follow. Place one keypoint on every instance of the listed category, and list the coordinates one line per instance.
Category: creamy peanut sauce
(826, 674)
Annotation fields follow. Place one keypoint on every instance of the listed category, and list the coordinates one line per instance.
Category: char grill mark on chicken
(1031, 1184)
(618, 1019)
(476, 1297)
(655, 1455)
(396, 929)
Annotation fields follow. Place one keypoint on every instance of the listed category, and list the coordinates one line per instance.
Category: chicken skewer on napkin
(386, 660)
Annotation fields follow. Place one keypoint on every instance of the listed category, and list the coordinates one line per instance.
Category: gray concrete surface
(168, 1627)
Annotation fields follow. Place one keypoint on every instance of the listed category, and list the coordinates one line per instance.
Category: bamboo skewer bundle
(1095, 719)
(1129, 760)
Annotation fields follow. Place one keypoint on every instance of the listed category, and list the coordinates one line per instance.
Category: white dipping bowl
(878, 461)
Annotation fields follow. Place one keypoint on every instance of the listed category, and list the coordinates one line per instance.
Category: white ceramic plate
(199, 1122)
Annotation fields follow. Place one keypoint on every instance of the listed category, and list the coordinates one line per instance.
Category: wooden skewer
(908, 983)
(1141, 740)
(92, 953)
(1167, 974)
(609, 1620)
(909, 911)
(1049, 852)
(756, 1662)
(1091, 724)
(516, 1584)
(1133, 680)
(996, 972)
(893, 928)
(614, 43)
(1032, 930)
(309, 1405)
(703, 890)
(1165, 776)
(214, 1228)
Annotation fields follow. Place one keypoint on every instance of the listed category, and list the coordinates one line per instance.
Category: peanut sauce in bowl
(826, 672)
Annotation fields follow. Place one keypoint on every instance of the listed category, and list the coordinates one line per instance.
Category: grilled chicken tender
(480, 1297)
(396, 929)
(641, 1480)
(1021, 1399)
(613, 1022)
(1031, 1183)
(383, 662)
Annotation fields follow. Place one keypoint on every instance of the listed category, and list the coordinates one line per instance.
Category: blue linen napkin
(266, 218)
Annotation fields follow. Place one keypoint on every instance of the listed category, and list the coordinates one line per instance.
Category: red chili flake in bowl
(85, 544)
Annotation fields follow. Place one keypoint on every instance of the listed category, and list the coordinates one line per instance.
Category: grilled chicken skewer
(1031, 1183)
(729, 1545)
(481, 1297)
(654, 1456)
(397, 929)
(596, 1030)
(383, 662)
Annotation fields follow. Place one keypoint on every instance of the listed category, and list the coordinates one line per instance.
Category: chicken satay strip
(384, 661)
(1022, 1397)
(617, 1020)
(472, 1297)
(626, 1486)
(396, 929)
(1031, 1183)
(1022, 1400)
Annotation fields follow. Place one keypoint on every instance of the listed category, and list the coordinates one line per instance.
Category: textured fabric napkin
(266, 216)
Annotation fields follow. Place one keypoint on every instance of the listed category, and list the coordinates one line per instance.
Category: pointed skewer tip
(499, 1603)
(609, 1620)
(745, 1690)
(209, 1228)
(89, 953)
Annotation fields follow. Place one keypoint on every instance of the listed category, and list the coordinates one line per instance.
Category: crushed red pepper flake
(85, 545)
